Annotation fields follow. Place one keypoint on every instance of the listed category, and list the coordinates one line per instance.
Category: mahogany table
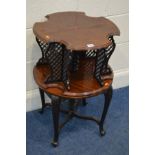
(74, 63)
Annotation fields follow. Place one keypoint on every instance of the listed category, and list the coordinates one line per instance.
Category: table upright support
(42, 96)
(108, 96)
(84, 102)
(65, 65)
(55, 112)
(98, 67)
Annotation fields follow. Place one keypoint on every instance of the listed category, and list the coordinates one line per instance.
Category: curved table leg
(55, 112)
(42, 96)
(108, 96)
(84, 103)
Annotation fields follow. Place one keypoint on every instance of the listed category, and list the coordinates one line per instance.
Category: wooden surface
(76, 30)
(82, 82)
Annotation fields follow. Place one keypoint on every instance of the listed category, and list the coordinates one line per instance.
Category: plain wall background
(115, 10)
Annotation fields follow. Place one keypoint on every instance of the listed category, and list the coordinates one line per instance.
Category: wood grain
(76, 30)
(82, 82)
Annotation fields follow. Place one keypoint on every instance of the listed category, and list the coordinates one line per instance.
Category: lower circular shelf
(82, 83)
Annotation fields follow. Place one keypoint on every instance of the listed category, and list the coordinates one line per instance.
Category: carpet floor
(80, 137)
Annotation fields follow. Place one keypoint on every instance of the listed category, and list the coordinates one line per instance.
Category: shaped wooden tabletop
(76, 30)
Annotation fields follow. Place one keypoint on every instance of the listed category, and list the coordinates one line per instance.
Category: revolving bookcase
(74, 64)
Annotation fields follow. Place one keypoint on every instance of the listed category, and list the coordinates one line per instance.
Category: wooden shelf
(82, 82)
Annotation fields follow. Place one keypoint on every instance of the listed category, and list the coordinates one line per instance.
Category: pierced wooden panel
(57, 58)
(108, 52)
(43, 46)
(99, 56)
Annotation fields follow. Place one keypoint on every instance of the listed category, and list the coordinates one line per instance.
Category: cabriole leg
(42, 96)
(108, 96)
(84, 102)
(55, 112)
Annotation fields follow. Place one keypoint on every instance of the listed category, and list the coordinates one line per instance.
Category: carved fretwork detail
(76, 56)
(102, 59)
(91, 53)
(108, 52)
(75, 61)
(99, 63)
(43, 46)
(57, 57)
(65, 66)
(101, 56)
(54, 55)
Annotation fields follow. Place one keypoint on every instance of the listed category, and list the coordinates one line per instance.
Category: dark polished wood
(83, 85)
(82, 82)
(84, 102)
(71, 112)
(75, 53)
(55, 112)
(42, 96)
(108, 97)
